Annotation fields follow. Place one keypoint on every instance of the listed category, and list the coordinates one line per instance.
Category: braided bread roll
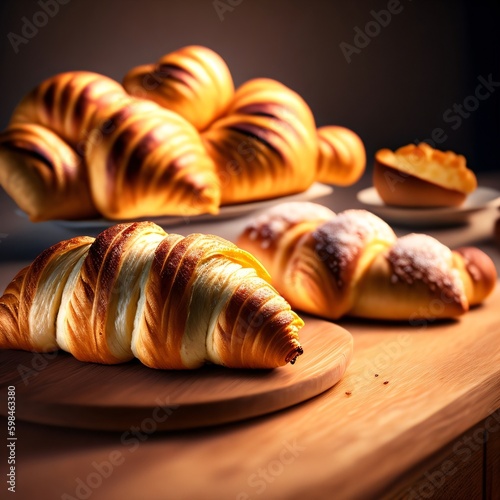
(353, 264)
(134, 291)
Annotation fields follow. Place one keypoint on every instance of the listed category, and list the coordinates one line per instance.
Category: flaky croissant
(134, 291)
(151, 162)
(176, 139)
(135, 157)
(193, 81)
(353, 264)
(266, 144)
(262, 138)
(37, 166)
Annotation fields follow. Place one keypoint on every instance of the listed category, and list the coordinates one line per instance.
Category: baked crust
(418, 175)
(353, 264)
(173, 302)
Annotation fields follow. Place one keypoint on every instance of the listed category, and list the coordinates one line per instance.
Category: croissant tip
(292, 357)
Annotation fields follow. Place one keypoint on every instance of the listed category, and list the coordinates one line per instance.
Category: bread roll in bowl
(418, 175)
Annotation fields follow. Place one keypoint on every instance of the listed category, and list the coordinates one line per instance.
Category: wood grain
(353, 441)
(57, 389)
(455, 471)
(492, 476)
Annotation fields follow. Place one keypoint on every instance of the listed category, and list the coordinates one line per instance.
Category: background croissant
(353, 264)
(171, 301)
(176, 139)
(136, 157)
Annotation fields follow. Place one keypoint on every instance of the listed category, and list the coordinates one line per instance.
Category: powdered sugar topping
(419, 257)
(339, 242)
(272, 224)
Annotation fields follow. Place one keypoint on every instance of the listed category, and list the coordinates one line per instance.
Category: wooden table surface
(410, 390)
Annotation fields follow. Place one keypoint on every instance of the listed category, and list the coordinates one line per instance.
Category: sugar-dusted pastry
(418, 175)
(134, 291)
(352, 264)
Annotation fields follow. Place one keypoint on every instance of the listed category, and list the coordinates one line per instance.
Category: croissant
(342, 157)
(152, 162)
(353, 264)
(134, 157)
(193, 81)
(176, 139)
(74, 105)
(36, 166)
(266, 145)
(262, 138)
(173, 302)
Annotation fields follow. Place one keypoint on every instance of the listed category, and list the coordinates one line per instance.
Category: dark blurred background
(393, 71)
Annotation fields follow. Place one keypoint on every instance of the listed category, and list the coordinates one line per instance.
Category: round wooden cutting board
(57, 389)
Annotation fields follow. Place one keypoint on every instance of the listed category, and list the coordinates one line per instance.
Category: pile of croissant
(175, 139)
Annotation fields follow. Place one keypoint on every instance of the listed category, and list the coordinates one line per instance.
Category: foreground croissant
(170, 301)
(353, 264)
(175, 139)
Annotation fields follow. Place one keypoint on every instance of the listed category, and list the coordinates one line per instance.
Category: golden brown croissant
(262, 137)
(151, 162)
(266, 145)
(141, 159)
(342, 157)
(74, 105)
(353, 264)
(193, 81)
(36, 166)
(136, 158)
(135, 291)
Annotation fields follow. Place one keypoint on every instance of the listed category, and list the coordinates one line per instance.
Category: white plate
(317, 190)
(481, 199)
